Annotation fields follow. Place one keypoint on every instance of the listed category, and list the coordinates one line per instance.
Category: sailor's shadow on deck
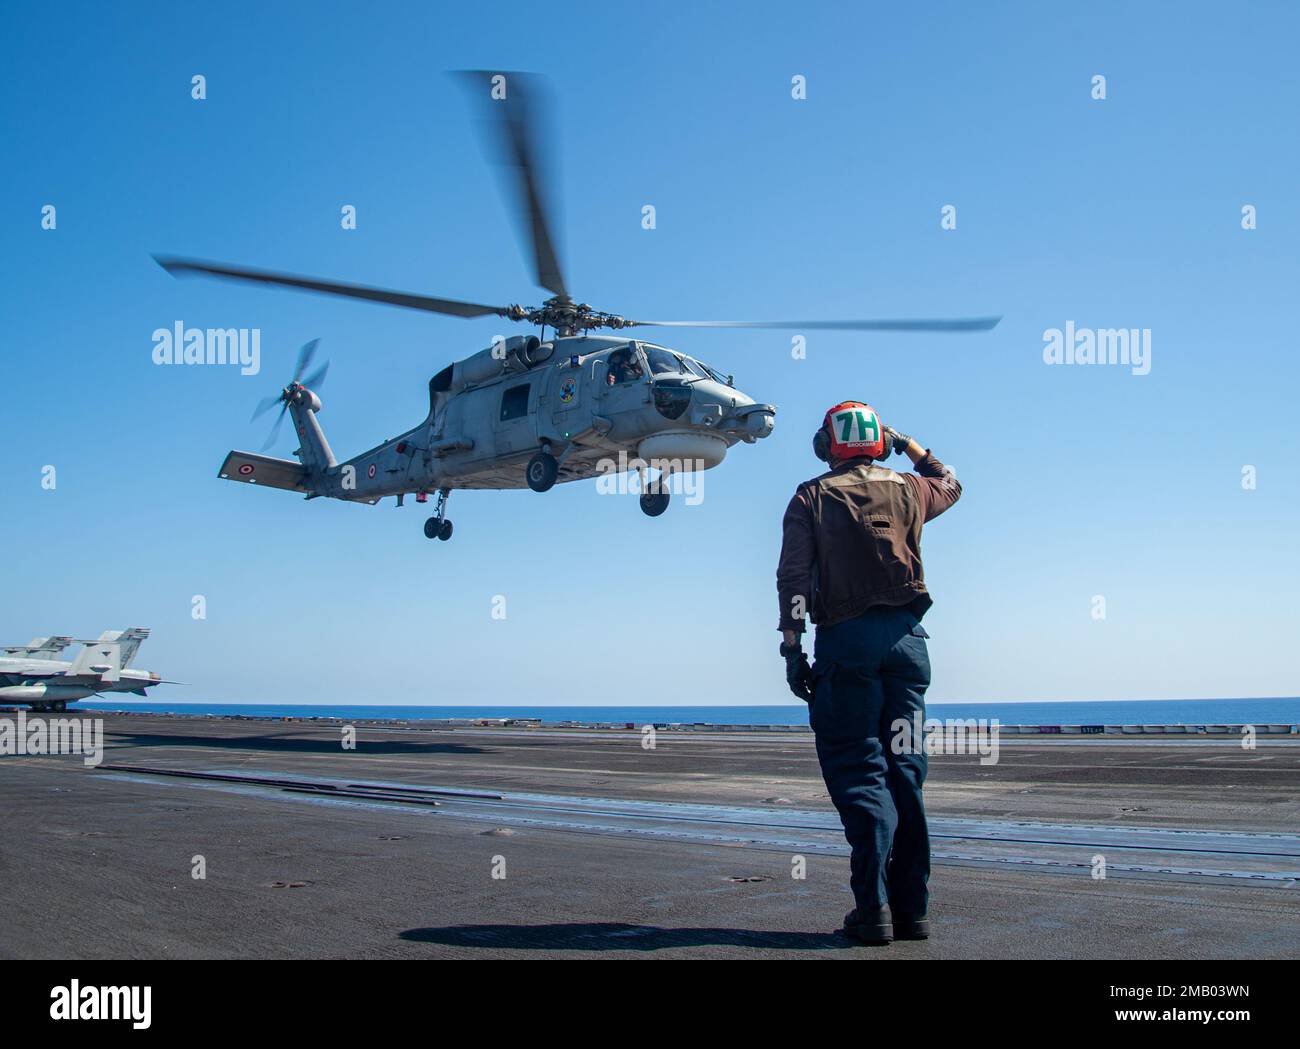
(617, 936)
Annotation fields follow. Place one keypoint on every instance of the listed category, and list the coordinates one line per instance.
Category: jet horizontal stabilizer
(42, 648)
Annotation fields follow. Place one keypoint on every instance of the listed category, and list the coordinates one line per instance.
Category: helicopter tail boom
(313, 449)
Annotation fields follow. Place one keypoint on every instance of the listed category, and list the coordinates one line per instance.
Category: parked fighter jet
(39, 648)
(34, 675)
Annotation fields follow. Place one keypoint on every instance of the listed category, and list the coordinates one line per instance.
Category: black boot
(875, 927)
(911, 927)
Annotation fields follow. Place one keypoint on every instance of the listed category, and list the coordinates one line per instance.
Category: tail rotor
(297, 386)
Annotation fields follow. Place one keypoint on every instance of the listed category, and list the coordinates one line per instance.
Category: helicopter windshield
(709, 373)
(663, 362)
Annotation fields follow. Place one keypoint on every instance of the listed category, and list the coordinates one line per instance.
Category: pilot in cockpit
(623, 367)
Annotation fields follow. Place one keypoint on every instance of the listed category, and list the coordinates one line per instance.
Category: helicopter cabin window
(514, 403)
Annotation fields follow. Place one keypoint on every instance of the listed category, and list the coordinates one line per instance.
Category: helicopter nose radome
(749, 422)
(759, 420)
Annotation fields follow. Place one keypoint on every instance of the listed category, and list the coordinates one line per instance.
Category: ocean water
(1118, 712)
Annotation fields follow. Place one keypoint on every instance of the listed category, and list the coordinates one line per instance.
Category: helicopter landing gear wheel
(543, 469)
(437, 526)
(59, 706)
(654, 503)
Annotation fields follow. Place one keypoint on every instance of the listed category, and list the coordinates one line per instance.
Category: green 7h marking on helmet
(865, 420)
(850, 430)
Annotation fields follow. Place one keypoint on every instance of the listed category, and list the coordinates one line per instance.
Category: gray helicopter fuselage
(527, 413)
(596, 403)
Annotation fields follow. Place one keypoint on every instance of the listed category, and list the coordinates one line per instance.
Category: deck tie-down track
(1238, 857)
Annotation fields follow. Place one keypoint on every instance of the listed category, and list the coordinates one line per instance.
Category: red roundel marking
(371, 471)
(246, 468)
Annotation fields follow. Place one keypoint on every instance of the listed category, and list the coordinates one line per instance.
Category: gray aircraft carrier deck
(431, 841)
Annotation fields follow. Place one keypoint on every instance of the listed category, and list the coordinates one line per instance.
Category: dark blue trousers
(871, 672)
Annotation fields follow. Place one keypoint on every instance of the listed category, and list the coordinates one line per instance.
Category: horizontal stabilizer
(265, 471)
(43, 648)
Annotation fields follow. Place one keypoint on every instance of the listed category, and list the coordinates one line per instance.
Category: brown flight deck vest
(852, 540)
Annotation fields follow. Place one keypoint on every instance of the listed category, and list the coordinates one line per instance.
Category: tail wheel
(543, 469)
(654, 503)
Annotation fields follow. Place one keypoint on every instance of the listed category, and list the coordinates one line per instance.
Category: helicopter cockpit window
(514, 403)
(624, 367)
(663, 362)
(713, 373)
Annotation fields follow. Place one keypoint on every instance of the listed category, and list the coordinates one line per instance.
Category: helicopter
(527, 411)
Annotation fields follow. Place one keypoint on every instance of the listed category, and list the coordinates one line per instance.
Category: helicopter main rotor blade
(955, 324)
(179, 267)
(517, 102)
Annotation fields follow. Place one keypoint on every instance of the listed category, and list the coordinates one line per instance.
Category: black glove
(798, 674)
(899, 441)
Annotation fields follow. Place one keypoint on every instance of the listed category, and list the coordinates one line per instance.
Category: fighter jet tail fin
(128, 641)
(99, 659)
(131, 640)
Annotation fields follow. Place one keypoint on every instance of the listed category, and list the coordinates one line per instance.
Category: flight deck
(430, 840)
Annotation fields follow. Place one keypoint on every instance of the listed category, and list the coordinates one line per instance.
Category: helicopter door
(626, 385)
(565, 398)
(516, 428)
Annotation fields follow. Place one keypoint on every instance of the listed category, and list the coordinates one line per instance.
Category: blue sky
(1080, 481)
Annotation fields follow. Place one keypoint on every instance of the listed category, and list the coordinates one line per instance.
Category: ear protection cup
(822, 445)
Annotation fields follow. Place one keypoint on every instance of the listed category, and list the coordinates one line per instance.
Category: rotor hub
(566, 316)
